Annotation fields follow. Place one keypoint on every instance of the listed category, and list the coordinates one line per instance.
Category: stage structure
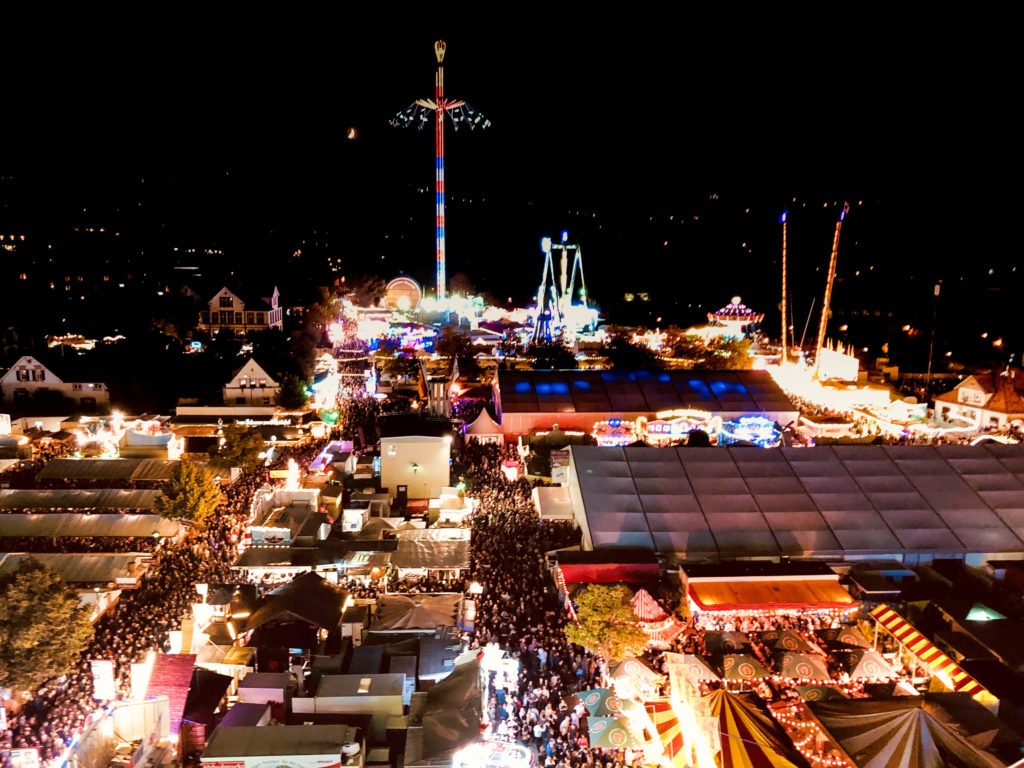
(419, 114)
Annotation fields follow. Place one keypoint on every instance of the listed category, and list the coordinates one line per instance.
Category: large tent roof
(427, 553)
(307, 597)
(750, 737)
(770, 594)
(639, 391)
(892, 733)
(108, 469)
(452, 712)
(411, 613)
(68, 498)
(79, 568)
(826, 501)
(58, 524)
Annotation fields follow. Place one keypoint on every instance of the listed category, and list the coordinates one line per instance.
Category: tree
(624, 355)
(293, 392)
(191, 494)
(552, 355)
(607, 624)
(242, 447)
(730, 354)
(43, 627)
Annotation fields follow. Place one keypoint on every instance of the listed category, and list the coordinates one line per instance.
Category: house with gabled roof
(251, 385)
(983, 401)
(231, 313)
(29, 376)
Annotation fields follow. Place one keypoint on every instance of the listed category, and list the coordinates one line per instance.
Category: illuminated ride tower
(419, 113)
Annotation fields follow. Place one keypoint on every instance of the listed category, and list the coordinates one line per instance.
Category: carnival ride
(419, 113)
(557, 312)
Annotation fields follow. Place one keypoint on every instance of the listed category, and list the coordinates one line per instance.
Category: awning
(778, 594)
(947, 670)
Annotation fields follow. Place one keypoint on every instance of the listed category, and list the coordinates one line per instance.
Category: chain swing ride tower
(423, 111)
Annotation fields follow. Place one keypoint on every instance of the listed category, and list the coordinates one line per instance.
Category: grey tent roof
(409, 613)
(427, 553)
(68, 498)
(108, 469)
(78, 568)
(826, 501)
(57, 524)
(890, 733)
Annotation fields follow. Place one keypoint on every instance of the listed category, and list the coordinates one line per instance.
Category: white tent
(484, 429)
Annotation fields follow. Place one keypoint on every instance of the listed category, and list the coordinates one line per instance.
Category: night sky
(662, 151)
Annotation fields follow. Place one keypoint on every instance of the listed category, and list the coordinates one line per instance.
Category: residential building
(229, 312)
(251, 385)
(983, 401)
(28, 377)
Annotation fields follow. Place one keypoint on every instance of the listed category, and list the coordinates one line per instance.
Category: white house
(251, 385)
(420, 462)
(229, 312)
(984, 400)
(28, 376)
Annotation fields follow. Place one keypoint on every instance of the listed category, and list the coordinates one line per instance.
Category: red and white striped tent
(661, 628)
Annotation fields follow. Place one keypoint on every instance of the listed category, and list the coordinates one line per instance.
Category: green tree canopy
(607, 624)
(242, 448)
(625, 355)
(552, 355)
(191, 494)
(293, 392)
(43, 627)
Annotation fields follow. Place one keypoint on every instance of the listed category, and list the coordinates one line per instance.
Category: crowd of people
(520, 611)
(140, 621)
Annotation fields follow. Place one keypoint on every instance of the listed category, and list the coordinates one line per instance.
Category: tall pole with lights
(828, 289)
(419, 114)
(782, 218)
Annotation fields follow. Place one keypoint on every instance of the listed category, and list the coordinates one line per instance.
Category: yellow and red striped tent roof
(670, 732)
(944, 667)
(750, 738)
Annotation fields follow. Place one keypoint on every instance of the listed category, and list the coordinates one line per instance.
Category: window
(364, 684)
(261, 318)
(76, 387)
(239, 401)
(214, 318)
(249, 318)
(225, 301)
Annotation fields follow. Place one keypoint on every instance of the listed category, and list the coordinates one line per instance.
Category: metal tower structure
(419, 114)
(567, 279)
(548, 300)
(828, 288)
(782, 218)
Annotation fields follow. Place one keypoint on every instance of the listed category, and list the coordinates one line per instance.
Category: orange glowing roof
(752, 595)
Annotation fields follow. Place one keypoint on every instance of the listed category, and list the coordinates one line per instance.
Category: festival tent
(865, 664)
(646, 607)
(596, 701)
(691, 668)
(804, 666)
(660, 627)
(743, 666)
(820, 692)
(785, 640)
(484, 429)
(726, 641)
(416, 613)
(892, 733)
(610, 733)
(845, 635)
(750, 737)
(670, 732)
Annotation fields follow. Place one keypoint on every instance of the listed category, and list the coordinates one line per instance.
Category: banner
(25, 758)
(262, 536)
(102, 679)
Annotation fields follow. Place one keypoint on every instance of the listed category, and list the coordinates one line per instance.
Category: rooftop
(722, 503)
(639, 391)
(260, 741)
